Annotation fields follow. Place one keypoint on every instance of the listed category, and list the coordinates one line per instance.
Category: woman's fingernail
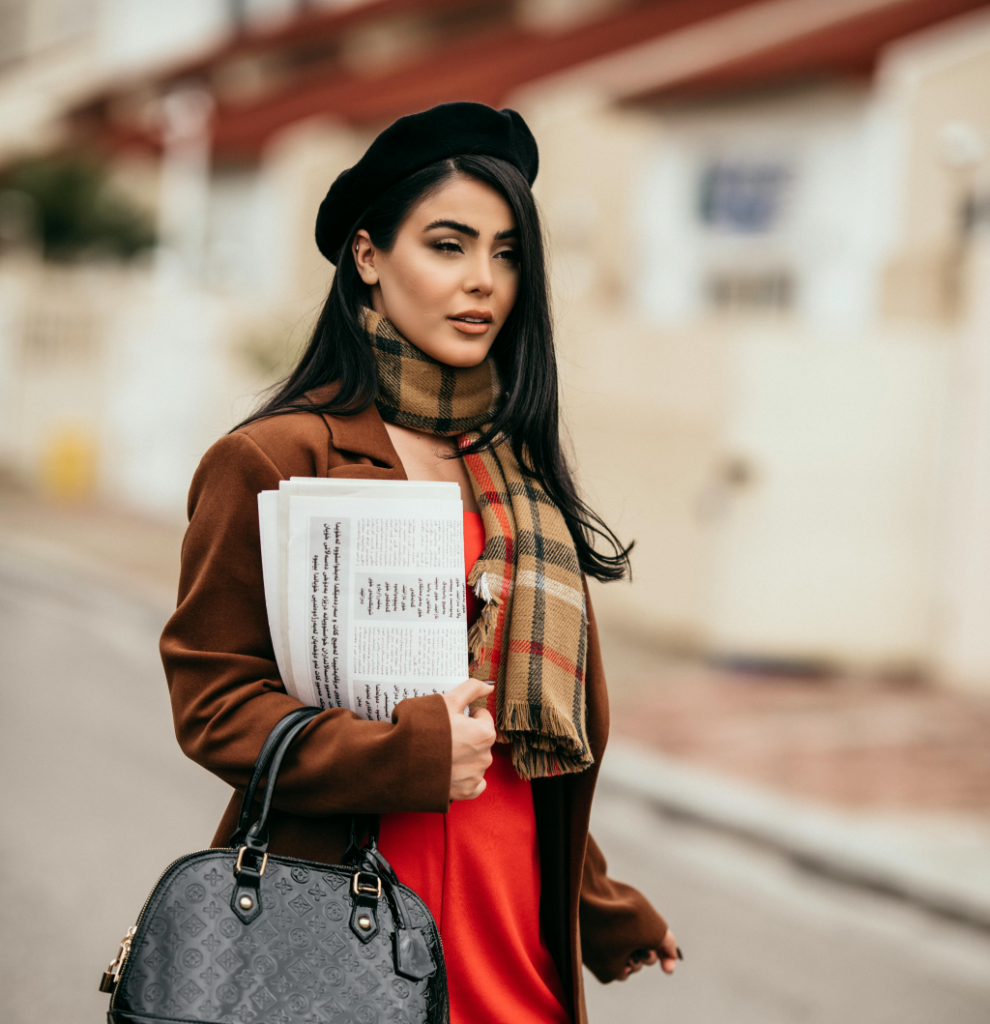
(680, 955)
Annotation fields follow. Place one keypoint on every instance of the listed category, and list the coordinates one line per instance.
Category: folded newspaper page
(364, 584)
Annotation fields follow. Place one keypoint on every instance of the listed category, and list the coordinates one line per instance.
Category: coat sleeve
(223, 681)
(616, 919)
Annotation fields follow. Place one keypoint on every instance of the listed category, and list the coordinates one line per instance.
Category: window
(742, 197)
(729, 291)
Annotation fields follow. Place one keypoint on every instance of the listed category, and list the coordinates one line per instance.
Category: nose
(479, 279)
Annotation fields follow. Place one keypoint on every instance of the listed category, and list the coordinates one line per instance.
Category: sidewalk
(883, 784)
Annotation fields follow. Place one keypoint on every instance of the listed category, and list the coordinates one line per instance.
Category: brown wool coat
(226, 696)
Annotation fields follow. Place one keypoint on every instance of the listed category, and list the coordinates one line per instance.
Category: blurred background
(769, 223)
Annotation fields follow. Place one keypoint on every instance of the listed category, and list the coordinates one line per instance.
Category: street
(98, 799)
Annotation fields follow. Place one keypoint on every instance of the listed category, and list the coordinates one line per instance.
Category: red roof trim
(306, 27)
(504, 61)
(850, 48)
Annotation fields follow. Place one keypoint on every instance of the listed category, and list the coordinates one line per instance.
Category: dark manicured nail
(680, 955)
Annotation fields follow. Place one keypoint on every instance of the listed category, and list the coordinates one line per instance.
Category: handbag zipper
(112, 973)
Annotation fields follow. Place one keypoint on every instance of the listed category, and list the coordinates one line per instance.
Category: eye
(447, 245)
(508, 256)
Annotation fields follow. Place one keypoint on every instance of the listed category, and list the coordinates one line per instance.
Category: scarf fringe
(481, 590)
(548, 729)
(481, 636)
(544, 741)
(535, 758)
(481, 639)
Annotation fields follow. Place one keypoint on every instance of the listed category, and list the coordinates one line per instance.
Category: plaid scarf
(531, 636)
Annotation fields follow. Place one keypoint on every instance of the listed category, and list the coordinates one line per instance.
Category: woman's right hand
(471, 740)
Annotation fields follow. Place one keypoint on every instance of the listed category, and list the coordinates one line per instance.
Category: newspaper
(364, 584)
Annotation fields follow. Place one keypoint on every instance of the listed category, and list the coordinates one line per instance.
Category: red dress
(478, 870)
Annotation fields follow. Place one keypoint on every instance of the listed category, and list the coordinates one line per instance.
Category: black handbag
(243, 936)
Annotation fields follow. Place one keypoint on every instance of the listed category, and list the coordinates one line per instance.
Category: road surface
(97, 799)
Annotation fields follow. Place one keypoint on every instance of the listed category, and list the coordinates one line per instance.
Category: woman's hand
(471, 740)
(667, 955)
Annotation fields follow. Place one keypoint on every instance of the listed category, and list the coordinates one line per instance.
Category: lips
(473, 316)
(471, 321)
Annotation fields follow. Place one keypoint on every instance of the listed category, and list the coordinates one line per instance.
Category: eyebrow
(466, 229)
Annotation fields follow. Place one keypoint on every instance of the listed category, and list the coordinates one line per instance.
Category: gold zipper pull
(112, 974)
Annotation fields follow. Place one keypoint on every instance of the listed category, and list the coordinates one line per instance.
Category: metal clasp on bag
(240, 862)
(112, 974)
(361, 888)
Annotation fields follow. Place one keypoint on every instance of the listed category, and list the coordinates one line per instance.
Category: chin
(458, 354)
(462, 362)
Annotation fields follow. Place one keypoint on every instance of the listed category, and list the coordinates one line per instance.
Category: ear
(364, 254)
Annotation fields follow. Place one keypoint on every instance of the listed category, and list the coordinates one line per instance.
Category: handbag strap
(254, 839)
(261, 766)
(257, 834)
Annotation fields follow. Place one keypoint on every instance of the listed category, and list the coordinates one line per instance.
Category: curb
(918, 864)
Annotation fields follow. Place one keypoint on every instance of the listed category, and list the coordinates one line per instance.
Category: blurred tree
(76, 211)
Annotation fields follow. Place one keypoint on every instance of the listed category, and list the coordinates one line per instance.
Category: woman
(433, 360)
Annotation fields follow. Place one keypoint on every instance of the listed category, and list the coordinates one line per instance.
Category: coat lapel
(359, 445)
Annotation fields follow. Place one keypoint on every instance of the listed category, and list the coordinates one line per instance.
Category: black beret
(412, 143)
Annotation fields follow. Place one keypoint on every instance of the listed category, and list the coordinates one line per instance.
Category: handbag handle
(257, 834)
(261, 766)
(248, 870)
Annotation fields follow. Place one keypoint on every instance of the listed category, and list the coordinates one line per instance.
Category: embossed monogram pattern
(296, 963)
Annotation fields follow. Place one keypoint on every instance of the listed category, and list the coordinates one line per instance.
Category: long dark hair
(338, 352)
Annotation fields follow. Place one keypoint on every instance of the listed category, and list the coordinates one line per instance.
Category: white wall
(134, 33)
(826, 553)
(823, 548)
(74, 46)
(167, 377)
(838, 213)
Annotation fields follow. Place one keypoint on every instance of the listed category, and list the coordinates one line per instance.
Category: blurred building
(767, 231)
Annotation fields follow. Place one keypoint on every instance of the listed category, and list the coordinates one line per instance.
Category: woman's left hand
(667, 956)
